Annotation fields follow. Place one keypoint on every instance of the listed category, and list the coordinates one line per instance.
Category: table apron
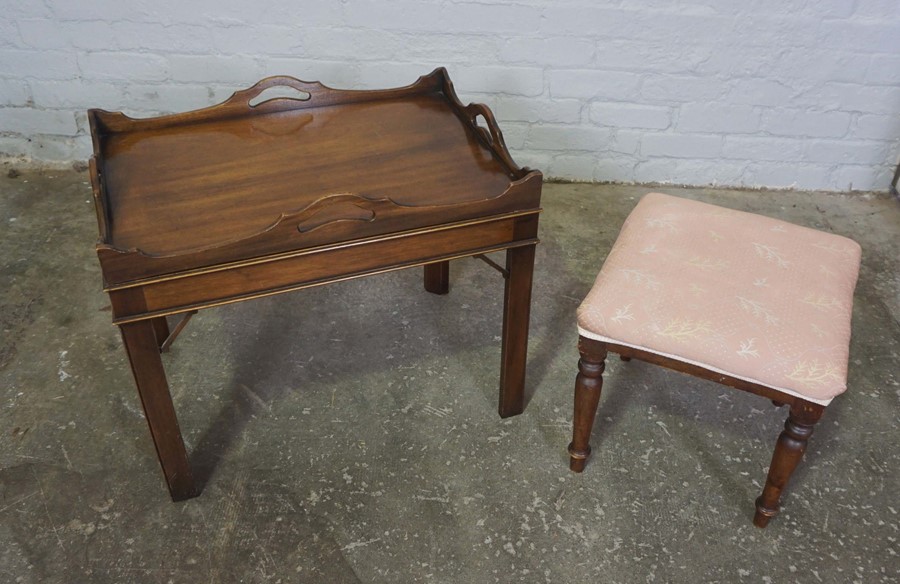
(198, 290)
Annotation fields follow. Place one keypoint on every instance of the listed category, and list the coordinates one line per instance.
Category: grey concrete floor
(349, 433)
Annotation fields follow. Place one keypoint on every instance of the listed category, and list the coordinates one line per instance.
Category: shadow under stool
(750, 302)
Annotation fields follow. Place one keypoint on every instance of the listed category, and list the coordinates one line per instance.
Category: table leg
(516, 315)
(150, 377)
(437, 277)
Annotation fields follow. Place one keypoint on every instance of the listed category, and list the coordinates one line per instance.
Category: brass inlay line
(318, 249)
(293, 287)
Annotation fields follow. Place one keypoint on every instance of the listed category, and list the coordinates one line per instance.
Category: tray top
(196, 186)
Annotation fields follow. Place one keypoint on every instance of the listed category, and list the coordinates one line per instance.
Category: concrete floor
(348, 433)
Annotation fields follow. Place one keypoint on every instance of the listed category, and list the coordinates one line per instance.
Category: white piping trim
(603, 339)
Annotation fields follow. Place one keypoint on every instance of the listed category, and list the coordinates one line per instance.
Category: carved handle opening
(481, 124)
(485, 124)
(279, 92)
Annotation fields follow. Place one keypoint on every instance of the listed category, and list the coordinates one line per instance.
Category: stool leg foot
(788, 451)
(588, 385)
(624, 358)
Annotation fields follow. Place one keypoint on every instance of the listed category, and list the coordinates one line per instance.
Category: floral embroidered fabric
(734, 292)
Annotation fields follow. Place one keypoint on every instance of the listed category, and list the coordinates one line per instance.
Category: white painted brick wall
(776, 93)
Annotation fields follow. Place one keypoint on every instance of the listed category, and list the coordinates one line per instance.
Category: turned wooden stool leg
(437, 277)
(588, 385)
(516, 317)
(788, 451)
(146, 364)
(161, 329)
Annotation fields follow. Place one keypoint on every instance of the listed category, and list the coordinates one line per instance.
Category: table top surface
(235, 181)
(212, 183)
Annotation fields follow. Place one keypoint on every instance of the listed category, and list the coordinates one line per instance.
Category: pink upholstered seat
(745, 295)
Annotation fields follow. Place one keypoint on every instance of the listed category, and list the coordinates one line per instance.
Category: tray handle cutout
(488, 128)
(278, 92)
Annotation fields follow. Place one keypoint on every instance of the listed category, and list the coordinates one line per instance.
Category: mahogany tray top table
(252, 198)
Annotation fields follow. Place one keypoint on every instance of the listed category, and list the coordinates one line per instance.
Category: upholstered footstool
(750, 302)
